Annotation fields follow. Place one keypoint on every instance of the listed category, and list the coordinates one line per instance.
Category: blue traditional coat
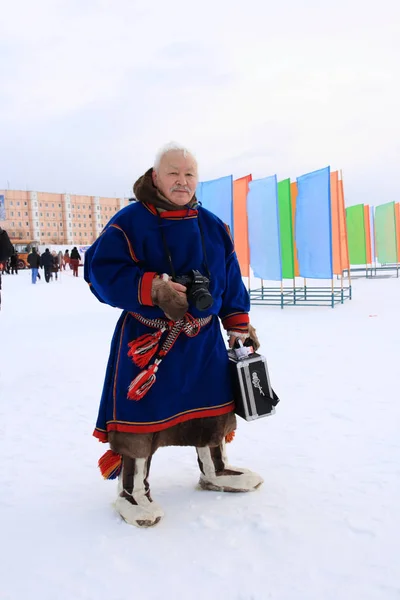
(192, 380)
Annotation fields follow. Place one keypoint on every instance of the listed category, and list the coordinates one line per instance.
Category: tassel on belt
(149, 346)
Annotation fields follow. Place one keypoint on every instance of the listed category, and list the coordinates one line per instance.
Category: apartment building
(56, 218)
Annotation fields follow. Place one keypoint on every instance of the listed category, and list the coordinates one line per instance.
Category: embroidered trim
(152, 427)
(236, 321)
(131, 252)
(144, 288)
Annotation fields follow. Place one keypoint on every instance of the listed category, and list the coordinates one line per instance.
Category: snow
(324, 526)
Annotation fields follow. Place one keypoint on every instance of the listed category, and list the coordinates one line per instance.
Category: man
(46, 261)
(34, 263)
(6, 250)
(167, 381)
(14, 263)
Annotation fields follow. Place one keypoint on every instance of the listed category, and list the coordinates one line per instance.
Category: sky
(90, 90)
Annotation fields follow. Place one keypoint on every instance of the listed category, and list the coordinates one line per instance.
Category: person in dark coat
(14, 263)
(55, 266)
(46, 261)
(6, 250)
(167, 381)
(34, 263)
(75, 260)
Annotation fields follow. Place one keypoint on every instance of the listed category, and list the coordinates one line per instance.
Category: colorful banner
(344, 244)
(286, 229)
(240, 223)
(367, 225)
(264, 238)
(217, 196)
(2, 208)
(397, 209)
(355, 217)
(336, 255)
(372, 228)
(293, 196)
(314, 225)
(385, 231)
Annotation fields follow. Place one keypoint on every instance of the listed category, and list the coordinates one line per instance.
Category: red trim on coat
(153, 428)
(185, 213)
(145, 285)
(235, 321)
(131, 252)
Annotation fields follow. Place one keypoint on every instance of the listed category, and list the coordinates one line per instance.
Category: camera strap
(168, 252)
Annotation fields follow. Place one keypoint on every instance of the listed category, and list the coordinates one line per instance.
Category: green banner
(356, 234)
(286, 229)
(385, 233)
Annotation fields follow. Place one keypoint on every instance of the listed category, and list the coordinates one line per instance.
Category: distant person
(14, 263)
(6, 250)
(46, 261)
(67, 259)
(75, 260)
(55, 265)
(34, 263)
(60, 257)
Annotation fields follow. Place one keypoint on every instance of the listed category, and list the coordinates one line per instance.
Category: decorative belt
(149, 346)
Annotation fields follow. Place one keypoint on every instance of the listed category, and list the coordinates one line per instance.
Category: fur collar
(145, 191)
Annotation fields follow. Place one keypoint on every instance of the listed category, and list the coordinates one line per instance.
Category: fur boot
(134, 502)
(217, 475)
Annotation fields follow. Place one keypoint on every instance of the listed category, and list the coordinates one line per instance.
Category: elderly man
(170, 265)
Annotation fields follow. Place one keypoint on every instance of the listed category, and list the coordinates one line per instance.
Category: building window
(18, 203)
(27, 224)
(79, 225)
(80, 234)
(41, 224)
(54, 224)
(49, 234)
(25, 204)
(19, 214)
(79, 208)
(52, 206)
(11, 204)
(36, 214)
(42, 232)
(12, 213)
(84, 224)
(35, 204)
(37, 224)
(79, 216)
(46, 205)
(61, 224)
(20, 224)
(68, 206)
(12, 224)
(59, 206)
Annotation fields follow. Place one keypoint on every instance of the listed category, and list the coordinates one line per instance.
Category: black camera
(197, 286)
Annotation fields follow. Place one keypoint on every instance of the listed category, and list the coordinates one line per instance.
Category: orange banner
(240, 223)
(344, 246)
(336, 254)
(293, 197)
(367, 226)
(397, 213)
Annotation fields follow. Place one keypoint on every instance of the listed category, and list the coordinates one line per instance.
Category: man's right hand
(170, 297)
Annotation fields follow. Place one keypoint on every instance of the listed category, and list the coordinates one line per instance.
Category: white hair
(171, 147)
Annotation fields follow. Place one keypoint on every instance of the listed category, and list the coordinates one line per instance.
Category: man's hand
(170, 297)
(252, 335)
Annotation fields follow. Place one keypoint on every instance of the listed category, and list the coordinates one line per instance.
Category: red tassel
(110, 464)
(229, 437)
(142, 383)
(142, 350)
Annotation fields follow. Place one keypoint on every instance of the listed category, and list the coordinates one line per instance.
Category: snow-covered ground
(326, 523)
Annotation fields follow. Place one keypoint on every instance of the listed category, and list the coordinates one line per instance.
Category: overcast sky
(90, 89)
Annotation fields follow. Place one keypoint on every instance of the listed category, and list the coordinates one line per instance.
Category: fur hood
(145, 191)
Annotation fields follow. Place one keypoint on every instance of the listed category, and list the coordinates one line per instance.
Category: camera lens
(204, 300)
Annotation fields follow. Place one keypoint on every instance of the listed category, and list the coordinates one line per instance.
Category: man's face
(177, 177)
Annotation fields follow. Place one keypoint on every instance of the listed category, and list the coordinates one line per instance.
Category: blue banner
(217, 196)
(314, 225)
(264, 236)
(2, 208)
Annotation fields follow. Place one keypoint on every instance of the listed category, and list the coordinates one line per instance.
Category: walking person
(46, 261)
(75, 260)
(55, 266)
(14, 263)
(67, 259)
(6, 250)
(34, 263)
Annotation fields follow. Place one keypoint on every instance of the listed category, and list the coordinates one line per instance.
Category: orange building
(50, 218)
